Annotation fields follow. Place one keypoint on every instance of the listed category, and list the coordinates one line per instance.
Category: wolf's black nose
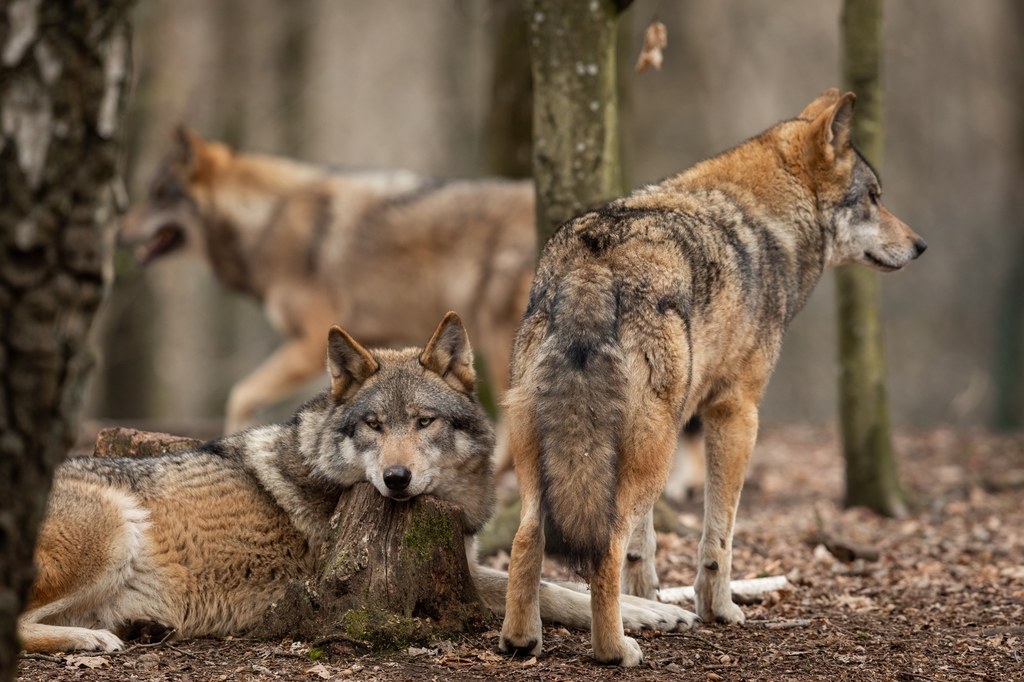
(920, 245)
(397, 478)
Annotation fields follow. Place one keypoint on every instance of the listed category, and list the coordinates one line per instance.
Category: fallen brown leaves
(944, 600)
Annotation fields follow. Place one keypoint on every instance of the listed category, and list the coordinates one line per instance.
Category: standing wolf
(384, 253)
(668, 304)
(205, 541)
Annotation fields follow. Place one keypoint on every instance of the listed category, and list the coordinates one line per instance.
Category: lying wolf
(384, 253)
(668, 304)
(205, 541)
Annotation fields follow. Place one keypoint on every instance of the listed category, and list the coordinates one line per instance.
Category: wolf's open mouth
(167, 239)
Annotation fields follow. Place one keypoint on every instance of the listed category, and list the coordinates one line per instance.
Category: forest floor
(944, 600)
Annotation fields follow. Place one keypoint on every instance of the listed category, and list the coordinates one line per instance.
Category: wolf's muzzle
(397, 478)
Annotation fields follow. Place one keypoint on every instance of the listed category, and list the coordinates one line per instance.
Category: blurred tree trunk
(575, 114)
(871, 477)
(293, 59)
(509, 124)
(1009, 356)
(62, 88)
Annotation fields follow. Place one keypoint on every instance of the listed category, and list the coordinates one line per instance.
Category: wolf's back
(579, 410)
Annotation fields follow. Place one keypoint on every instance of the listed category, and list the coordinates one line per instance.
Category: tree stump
(118, 441)
(391, 574)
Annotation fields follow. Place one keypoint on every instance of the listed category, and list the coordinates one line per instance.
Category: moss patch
(427, 532)
(382, 630)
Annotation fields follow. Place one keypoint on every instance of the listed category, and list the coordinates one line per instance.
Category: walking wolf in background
(384, 253)
(664, 305)
(205, 541)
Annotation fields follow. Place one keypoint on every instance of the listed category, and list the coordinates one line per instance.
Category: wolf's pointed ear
(348, 363)
(449, 354)
(824, 101)
(831, 128)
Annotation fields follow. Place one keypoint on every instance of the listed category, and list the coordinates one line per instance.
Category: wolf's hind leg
(521, 631)
(87, 549)
(639, 575)
(731, 429)
(290, 366)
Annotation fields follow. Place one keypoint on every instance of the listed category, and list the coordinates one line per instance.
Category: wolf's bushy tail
(580, 407)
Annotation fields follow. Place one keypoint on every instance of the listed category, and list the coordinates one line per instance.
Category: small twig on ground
(43, 657)
(705, 640)
(1002, 630)
(780, 624)
(180, 651)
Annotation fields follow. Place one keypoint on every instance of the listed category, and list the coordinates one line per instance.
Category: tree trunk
(575, 114)
(1008, 368)
(509, 122)
(63, 75)
(871, 476)
(391, 574)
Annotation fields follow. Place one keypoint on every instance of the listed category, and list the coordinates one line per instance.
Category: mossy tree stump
(391, 574)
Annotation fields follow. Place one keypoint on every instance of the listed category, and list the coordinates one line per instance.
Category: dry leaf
(655, 40)
(320, 671)
(87, 662)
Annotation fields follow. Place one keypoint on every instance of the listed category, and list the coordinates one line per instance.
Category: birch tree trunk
(63, 77)
(575, 114)
(871, 477)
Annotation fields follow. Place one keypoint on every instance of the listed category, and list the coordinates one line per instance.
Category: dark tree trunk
(575, 114)
(1008, 368)
(63, 75)
(509, 123)
(392, 574)
(871, 476)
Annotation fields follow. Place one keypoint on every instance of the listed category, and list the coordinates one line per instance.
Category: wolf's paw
(724, 611)
(96, 640)
(528, 642)
(628, 654)
(643, 614)
(520, 647)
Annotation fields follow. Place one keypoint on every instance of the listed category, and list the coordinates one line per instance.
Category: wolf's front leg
(731, 429)
(291, 365)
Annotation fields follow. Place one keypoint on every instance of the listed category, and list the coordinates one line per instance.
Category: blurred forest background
(409, 84)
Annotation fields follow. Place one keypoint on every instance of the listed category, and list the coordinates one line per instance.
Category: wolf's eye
(874, 195)
(424, 422)
(373, 423)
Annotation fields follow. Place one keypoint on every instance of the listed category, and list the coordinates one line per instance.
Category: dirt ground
(944, 600)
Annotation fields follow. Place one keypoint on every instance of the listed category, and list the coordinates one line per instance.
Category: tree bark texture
(871, 475)
(575, 114)
(63, 78)
(391, 574)
(123, 442)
